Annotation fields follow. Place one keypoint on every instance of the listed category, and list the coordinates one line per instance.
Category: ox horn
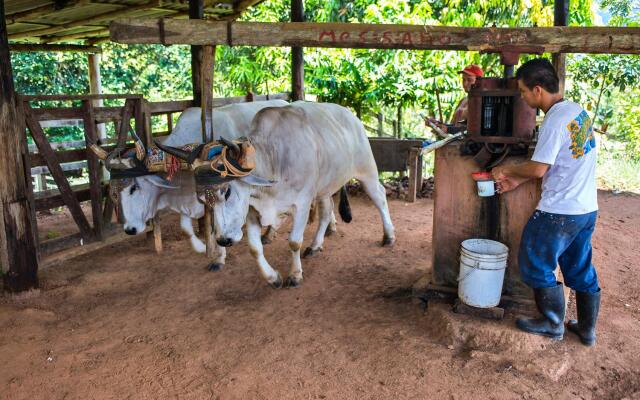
(187, 156)
(233, 146)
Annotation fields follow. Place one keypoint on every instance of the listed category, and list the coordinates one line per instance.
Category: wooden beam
(108, 16)
(54, 168)
(610, 40)
(69, 97)
(24, 47)
(98, 31)
(297, 54)
(18, 246)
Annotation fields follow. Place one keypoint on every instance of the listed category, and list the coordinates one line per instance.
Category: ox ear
(256, 181)
(161, 182)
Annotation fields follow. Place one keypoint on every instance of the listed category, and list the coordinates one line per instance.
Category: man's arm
(509, 177)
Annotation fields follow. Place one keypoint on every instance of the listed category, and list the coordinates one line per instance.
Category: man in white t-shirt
(559, 231)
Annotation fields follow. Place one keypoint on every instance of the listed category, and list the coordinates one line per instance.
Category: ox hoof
(265, 239)
(292, 282)
(215, 267)
(277, 284)
(388, 241)
(309, 252)
(329, 232)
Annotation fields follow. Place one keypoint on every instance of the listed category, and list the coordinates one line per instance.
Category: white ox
(308, 151)
(146, 195)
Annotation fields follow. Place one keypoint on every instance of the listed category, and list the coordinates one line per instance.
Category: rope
(171, 165)
(229, 169)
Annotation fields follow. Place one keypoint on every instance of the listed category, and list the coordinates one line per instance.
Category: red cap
(472, 70)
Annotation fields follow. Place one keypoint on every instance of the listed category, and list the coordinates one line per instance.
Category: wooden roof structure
(87, 21)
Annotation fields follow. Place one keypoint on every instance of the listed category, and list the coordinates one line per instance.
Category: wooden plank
(157, 234)
(209, 238)
(18, 247)
(54, 167)
(67, 156)
(610, 40)
(59, 48)
(80, 248)
(56, 113)
(163, 107)
(48, 199)
(95, 170)
(79, 97)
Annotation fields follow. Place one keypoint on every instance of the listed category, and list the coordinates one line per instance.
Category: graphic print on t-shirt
(582, 139)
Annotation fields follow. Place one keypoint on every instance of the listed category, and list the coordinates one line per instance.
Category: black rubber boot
(587, 305)
(550, 303)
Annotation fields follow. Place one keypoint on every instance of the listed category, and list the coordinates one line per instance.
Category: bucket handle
(473, 268)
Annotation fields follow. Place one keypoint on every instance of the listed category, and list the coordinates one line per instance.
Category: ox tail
(344, 207)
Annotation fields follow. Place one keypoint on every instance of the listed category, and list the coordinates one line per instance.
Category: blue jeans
(552, 239)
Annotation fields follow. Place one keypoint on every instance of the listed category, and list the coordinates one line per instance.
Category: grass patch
(618, 172)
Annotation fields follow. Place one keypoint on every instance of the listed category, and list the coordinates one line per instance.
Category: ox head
(133, 187)
(224, 181)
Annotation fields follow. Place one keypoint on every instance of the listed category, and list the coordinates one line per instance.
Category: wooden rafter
(612, 40)
(108, 16)
(76, 36)
(54, 47)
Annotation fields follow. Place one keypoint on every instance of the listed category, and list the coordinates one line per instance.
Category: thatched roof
(47, 21)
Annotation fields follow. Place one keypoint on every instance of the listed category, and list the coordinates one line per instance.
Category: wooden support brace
(54, 168)
(208, 231)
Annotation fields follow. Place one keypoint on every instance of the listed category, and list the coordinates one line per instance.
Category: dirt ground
(123, 323)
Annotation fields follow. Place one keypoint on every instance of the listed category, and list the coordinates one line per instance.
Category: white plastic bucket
(482, 265)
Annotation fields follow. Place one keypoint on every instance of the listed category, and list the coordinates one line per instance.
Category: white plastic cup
(486, 188)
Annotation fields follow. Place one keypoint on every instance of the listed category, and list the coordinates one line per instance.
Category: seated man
(459, 117)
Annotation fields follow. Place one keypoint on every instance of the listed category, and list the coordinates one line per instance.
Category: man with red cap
(459, 117)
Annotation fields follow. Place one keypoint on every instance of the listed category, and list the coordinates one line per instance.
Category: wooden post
(18, 245)
(95, 87)
(93, 165)
(196, 11)
(413, 174)
(380, 127)
(297, 55)
(399, 121)
(560, 18)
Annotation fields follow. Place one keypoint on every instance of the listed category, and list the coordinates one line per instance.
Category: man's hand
(504, 182)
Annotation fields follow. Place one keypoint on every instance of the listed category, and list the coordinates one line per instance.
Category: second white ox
(146, 195)
(303, 152)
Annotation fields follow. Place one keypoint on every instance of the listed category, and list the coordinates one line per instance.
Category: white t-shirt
(566, 142)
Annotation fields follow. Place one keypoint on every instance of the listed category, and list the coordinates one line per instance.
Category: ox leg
(187, 227)
(376, 192)
(325, 213)
(269, 235)
(331, 229)
(254, 231)
(186, 223)
(300, 218)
